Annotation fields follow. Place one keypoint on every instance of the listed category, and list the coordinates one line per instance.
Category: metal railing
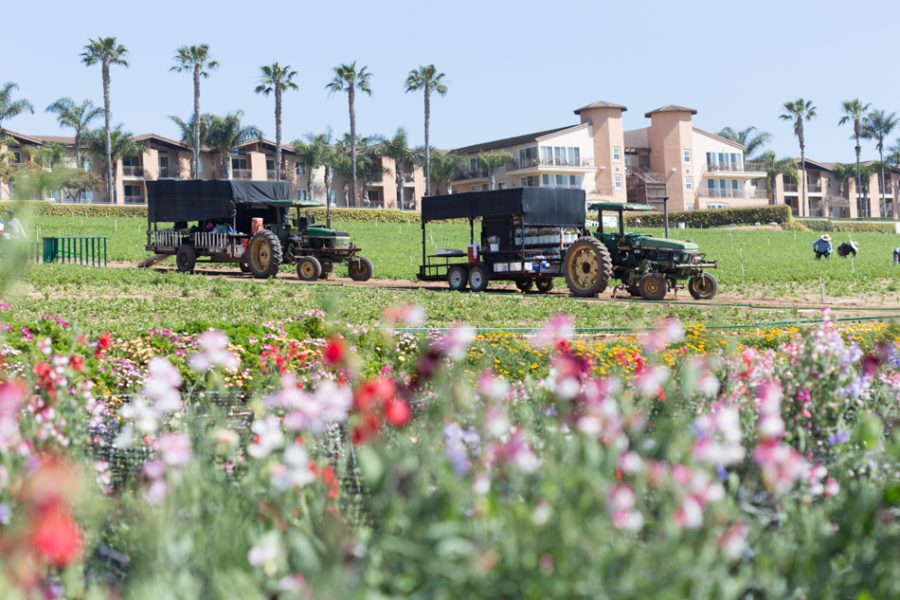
(791, 187)
(80, 250)
(169, 238)
(210, 240)
(169, 173)
(531, 163)
(477, 174)
(740, 193)
(128, 171)
(814, 188)
(241, 174)
(134, 200)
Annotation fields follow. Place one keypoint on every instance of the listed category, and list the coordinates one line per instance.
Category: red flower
(57, 538)
(397, 412)
(334, 352)
(103, 343)
(366, 430)
(331, 481)
(76, 362)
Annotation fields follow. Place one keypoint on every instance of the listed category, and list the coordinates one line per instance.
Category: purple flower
(838, 438)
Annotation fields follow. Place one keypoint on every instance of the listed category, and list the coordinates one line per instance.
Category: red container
(473, 253)
(256, 225)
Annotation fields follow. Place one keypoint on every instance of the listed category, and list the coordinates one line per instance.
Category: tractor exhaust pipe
(666, 214)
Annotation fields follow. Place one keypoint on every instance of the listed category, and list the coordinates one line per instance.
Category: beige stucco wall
(607, 133)
(670, 133)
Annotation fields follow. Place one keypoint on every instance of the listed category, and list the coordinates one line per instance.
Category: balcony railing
(134, 200)
(531, 163)
(790, 187)
(740, 193)
(270, 174)
(477, 174)
(169, 173)
(128, 171)
(241, 174)
(814, 188)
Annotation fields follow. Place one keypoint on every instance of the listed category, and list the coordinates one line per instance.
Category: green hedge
(52, 209)
(848, 226)
(720, 217)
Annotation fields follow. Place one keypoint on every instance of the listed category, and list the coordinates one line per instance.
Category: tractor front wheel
(545, 285)
(309, 268)
(652, 286)
(588, 267)
(703, 287)
(185, 258)
(360, 268)
(264, 254)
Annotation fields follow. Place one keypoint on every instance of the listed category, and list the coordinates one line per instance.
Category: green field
(757, 264)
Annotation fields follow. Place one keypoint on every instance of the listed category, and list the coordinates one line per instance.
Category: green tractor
(646, 266)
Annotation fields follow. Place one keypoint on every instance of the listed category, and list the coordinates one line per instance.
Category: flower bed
(312, 459)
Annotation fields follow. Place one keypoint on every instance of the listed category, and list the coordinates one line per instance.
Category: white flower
(268, 437)
(214, 353)
(144, 416)
(294, 472)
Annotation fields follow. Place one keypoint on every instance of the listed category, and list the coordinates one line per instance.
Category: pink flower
(214, 353)
(781, 465)
(295, 471)
(555, 329)
(689, 515)
(491, 387)
(175, 449)
(455, 342)
(733, 542)
(410, 315)
(669, 331)
(268, 437)
(650, 380)
(630, 463)
(719, 437)
(620, 506)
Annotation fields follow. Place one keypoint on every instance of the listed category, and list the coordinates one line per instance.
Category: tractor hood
(324, 232)
(647, 243)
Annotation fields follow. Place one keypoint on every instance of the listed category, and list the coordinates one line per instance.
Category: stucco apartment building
(164, 158)
(670, 157)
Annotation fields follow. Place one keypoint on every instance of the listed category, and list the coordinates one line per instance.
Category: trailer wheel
(703, 286)
(185, 258)
(309, 268)
(652, 286)
(264, 254)
(524, 285)
(360, 268)
(588, 267)
(545, 284)
(478, 279)
(457, 278)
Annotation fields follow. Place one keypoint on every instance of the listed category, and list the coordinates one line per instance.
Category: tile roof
(671, 108)
(510, 141)
(600, 104)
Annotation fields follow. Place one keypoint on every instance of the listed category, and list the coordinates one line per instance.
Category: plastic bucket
(256, 225)
(473, 253)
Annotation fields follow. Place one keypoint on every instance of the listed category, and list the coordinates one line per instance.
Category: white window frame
(689, 183)
(617, 153)
(686, 155)
(617, 181)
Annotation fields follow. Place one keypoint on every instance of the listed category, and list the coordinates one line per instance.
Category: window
(531, 180)
(131, 161)
(270, 164)
(473, 164)
(561, 155)
(688, 183)
(617, 153)
(300, 168)
(528, 157)
(301, 194)
(239, 163)
(134, 194)
(499, 185)
(618, 181)
(687, 155)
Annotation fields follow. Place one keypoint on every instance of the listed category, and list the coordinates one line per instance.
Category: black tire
(185, 258)
(264, 254)
(478, 278)
(359, 268)
(243, 266)
(327, 268)
(309, 268)
(633, 290)
(587, 267)
(653, 286)
(457, 278)
(545, 285)
(524, 285)
(703, 287)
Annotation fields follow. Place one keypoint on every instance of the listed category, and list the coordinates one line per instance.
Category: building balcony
(537, 163)
(740, 193)
(169, 173)
(241, 174)
(132, 171)
(270, 174)
(134, 200)
(747, 170)
(790, 188)
(814, 188)
(477, 174)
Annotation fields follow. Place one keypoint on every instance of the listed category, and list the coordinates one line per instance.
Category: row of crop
(704, 219)
(849, 226)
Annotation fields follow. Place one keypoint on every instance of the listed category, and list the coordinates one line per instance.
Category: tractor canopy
(536, 206)
(195, 199)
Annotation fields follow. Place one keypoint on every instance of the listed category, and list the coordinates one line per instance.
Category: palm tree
(428, 79)
(314, 154)
(773, 167)
(750, 138)
(78, 117)
(844, 173)
(48, 156)
(10, 108)
(877, 126)
(186, 128)
(117, 143)
(195, 59)
(397, 148)
(493, 160)
(348, 79)
(278, 79)
(894, 156)
(444, 167)
(853, 113)
(798, 111)
(227, 133)
(106, 51)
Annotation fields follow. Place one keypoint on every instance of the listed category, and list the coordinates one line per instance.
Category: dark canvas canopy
(195, 199)
(536, 205)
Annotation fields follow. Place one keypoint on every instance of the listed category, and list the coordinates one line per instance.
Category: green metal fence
(80, 250)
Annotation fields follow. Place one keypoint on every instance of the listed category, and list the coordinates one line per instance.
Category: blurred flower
(295, 471)
(455, 342)
(620, 506)
(11, 396)
(266, 553)
(410, 315)
(57, 538)
(650, 379)
(213, 353)
(225, 439)
(689, 515)
(555, 329)
(733, 542)
(335, 351)
(175, 449)
(719, 439)
(669, 331)
(781, 465)
(268, 437)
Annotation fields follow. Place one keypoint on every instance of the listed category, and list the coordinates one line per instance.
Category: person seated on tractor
(848, 248)
(822, 246)
(180, 225)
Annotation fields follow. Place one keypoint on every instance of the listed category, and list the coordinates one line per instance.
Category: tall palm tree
(444, 167)
(853, 113)
(348, 79)
(106, 51)
(314, 154)
(493, 160)
(197, 61)
(894, 154)
(78, 117)
(397, 148)
(773, 167)
(117, 143)
(278, 79)
(878, 126)
(798, 111)
(227, 133)
(750, 138)
(428, 79)
(10, 108)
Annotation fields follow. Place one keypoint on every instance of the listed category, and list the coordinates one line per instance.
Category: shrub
(848, 226)
(52, 209)
(704, 219)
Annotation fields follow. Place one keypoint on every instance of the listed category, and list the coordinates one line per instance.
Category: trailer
(526, 235)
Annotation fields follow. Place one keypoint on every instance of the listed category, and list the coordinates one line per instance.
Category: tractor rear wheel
(478, 279)
(703, 287)
(360, 268)
(457, 278)
(524, 285)
(545, 284)
(588, 267)
(652, 286)
(185, 258)
(309, 268)
(264, 254)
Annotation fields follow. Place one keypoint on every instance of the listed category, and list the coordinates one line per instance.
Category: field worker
(822, 246)
(848, 248)
(896, 256)
(14, 227)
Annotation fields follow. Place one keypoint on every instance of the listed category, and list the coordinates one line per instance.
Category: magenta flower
(620, 506)
(213, 353)
(557, 328)
(175, 449)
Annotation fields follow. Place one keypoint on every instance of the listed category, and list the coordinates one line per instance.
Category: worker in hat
(822, 246)
(848, 248)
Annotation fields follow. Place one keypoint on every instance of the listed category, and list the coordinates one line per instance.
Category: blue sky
(512, 67)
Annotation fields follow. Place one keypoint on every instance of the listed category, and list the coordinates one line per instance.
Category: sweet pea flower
(733, 542)
(213, 353)
(266, 553)
(650, 379)
(294, 472)
(492, 387)
(620, 506)
(175, 449)
(411, 315)
(781, 466)
(669, 331)
(267, 437)
(557, 328)
(456, 341)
